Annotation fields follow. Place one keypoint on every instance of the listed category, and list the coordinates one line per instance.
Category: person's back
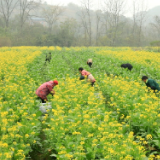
(49, 56)
(153, 84)
(85, 73)
(44, 89)
(123, 65)
(89, 62)
(88, 74)
(127, 65)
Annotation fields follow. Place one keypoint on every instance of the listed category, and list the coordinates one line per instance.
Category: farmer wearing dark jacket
(151, 83)
(48, 57)
(127, 65)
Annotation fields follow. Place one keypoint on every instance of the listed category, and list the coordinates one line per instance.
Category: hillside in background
(73, 25)
(152, 13)
(72, 11)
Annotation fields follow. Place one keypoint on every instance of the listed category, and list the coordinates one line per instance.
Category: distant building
(38, 20)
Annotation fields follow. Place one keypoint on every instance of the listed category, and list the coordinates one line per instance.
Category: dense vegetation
(118, 118)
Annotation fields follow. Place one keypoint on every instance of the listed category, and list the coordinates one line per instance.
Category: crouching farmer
(127, 65)
(151, 83)
(85, 73)
(89, 62)
(48, 57)
(45, 89)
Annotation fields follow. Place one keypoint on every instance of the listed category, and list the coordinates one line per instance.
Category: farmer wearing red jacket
(88, 74)
(45, 89)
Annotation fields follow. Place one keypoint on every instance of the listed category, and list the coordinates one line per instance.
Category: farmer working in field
(127, 65)
(89, 62)
(87, 74)
(45, 89)
(151, 83)
(48, 57)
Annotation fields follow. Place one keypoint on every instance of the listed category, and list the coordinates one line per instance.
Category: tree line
(35, 23)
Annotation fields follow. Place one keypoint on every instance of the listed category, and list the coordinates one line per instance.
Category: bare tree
(139, 17)
(98, 26)
(6, 9)
(51, 15)
(86, 20)
(134, 16)
(98, 23)
(113, 10)
(26, 7)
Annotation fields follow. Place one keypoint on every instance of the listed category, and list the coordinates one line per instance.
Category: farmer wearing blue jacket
(151, 83)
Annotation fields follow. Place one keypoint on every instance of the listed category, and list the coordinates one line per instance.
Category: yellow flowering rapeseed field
(116, 119)
(18, 121)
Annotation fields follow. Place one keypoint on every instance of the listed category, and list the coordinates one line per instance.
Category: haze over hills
(73, 25)
(72, 9)
(152, 13)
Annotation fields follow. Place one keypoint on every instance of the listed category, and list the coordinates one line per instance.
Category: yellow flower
(149, 136)
(69, 156)
(76, 133)
(26, 135)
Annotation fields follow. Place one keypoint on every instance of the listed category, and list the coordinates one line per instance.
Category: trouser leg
(42, 100)
(90, 64)
(92, 84)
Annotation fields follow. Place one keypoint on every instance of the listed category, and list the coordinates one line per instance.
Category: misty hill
(152, 13)
(73, 11)
(72, 25)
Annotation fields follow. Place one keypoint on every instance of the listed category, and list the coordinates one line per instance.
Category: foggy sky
(97, 3)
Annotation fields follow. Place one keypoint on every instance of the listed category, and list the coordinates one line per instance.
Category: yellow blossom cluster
(79, 127)
(18, 119)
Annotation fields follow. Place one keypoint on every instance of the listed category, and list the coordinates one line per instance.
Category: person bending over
(45, 89)
(151, 83)
(89, 62)
(127, 65)
(88, 74)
